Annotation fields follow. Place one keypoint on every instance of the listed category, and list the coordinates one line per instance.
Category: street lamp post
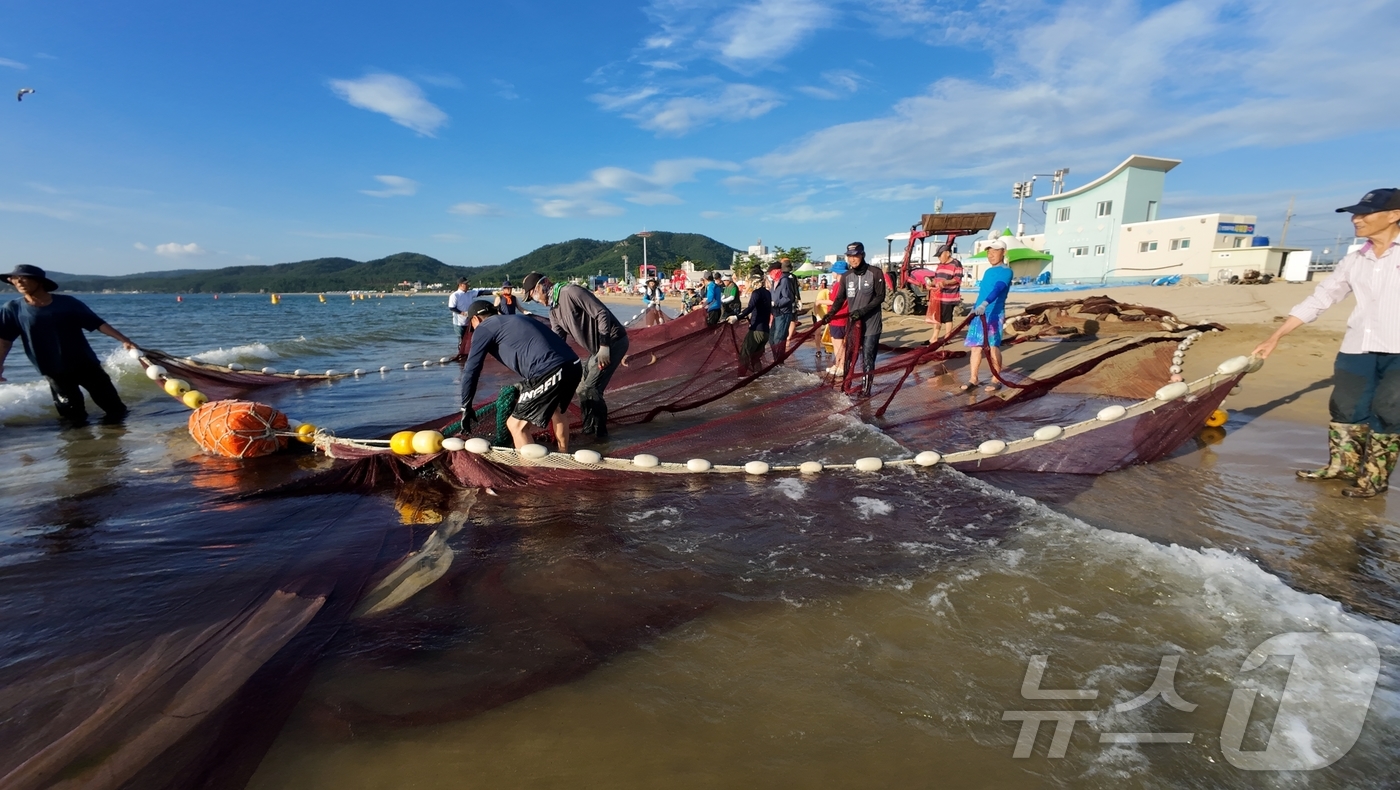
(646, 234)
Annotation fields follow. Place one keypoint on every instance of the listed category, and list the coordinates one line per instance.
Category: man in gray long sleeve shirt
(578, 315)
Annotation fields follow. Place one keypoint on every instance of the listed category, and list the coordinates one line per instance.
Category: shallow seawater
(838, 631)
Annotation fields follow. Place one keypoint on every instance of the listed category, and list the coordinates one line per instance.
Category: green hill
(577, 258)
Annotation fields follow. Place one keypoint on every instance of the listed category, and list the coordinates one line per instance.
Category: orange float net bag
(238, 428)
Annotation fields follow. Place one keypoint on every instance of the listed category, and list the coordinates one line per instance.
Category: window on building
(1239, 241)
(1147, 246)
(1151, 210)
(1078, 252)
(1105, 208)
(1062, 214)
(1100, 249)
(1181, 244)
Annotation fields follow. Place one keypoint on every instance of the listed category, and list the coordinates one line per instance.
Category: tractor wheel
(902, 303)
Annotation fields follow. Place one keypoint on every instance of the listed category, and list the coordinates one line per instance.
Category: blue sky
(181, 135)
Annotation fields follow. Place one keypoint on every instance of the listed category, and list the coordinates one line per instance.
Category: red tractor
(908, 290)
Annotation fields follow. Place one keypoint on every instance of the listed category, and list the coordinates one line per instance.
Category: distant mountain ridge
(575, 258)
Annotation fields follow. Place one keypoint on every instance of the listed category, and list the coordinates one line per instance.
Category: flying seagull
(22, 91)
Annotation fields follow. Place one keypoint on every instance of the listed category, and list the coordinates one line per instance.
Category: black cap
(25, 270)
(528, 284)
(855, 248)
(463, 281)
(942, 248)
(482, 308)
(1376, 200)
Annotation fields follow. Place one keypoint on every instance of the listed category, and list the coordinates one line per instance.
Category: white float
(869, 464)
(359, 372)
(454, 444)
(810, 467)
(1048, 433)
(927, 458)
(757, 467)
(698, 465)
(534, 451)
(384, 369)
(134, 353)
(646, 461)
(991, 447)
(234, 366)
(332, 372)
(408, 366)
(444, 360)
(588, 456)
(270, 371)
(1171, 391)
(155, 372)
(1110, 413)
(1255, 363)
(1232, 366)
(477, 445)
(1175, 370)
(300, 372)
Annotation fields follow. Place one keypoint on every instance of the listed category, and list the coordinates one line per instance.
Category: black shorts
(540, 398)
(945, 312)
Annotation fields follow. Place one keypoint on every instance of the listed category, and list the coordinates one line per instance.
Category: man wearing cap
(729, 297)
(577, 315)
(51, 326)
(786, 295)
(947, 293)
(457, 303)
(862, 294)
(985, 328)
(505, 302)
(652, 295)
(1364, 435)
(550, 368)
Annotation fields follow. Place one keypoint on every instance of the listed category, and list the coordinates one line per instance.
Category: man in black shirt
(51, 327)
(550, 368)
(760, 314)
(864, 292)
(576, 314)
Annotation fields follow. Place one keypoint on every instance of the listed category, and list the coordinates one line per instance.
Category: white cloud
(394, 186)
(768, 30)
(138, 245)
(586, 198)
(1088, 83)
(712, 214)
(177, 250)
(902, 192)
(47, 211)
(839, 84)
(680, 115)
(506, 90)
(399, 98)
(470, 209)
(804, 213)
(14, 64)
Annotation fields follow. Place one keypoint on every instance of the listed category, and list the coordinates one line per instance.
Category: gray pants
(595, 381)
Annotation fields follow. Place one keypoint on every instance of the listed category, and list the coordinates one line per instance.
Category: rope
(503, 405)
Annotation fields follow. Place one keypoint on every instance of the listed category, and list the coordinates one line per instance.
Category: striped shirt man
(1374, 325)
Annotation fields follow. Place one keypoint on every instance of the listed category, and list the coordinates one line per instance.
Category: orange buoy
(1217, 418)
(238, 428)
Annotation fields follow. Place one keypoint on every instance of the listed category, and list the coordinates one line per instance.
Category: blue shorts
(993, 334)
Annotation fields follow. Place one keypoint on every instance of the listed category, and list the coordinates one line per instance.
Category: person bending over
(550, 368)
(577, 315)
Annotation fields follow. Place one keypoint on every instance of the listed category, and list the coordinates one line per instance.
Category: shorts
(975, 334)
(838, 332)
(541, 397)
(945, 312)
(711, 317)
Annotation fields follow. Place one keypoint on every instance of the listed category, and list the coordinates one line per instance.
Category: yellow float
(402, 443)
(1217, 418)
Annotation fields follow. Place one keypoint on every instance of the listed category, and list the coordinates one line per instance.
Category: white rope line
(538, 456)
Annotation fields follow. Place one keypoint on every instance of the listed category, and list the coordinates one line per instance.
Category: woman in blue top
(990, 315)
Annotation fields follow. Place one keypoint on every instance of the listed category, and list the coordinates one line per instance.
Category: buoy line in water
(430, 442)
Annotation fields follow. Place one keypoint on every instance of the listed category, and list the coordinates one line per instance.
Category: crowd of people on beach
(1363, 437)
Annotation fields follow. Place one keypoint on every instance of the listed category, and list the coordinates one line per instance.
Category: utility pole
(624, 271)
(646, 234)
(1287, 218)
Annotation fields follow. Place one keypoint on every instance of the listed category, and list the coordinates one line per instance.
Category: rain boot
(866, 383)
(1346, 446)
(1374, 478)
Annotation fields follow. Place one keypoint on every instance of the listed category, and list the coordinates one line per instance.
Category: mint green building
(1082, 225)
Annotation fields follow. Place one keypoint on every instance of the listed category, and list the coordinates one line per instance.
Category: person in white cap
(985, 329)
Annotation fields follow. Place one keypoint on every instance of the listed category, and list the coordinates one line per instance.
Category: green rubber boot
(1381, 453)
(1346, 446)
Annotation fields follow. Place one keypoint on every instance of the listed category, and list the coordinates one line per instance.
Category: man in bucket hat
(51, 326)
(1364, 434)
